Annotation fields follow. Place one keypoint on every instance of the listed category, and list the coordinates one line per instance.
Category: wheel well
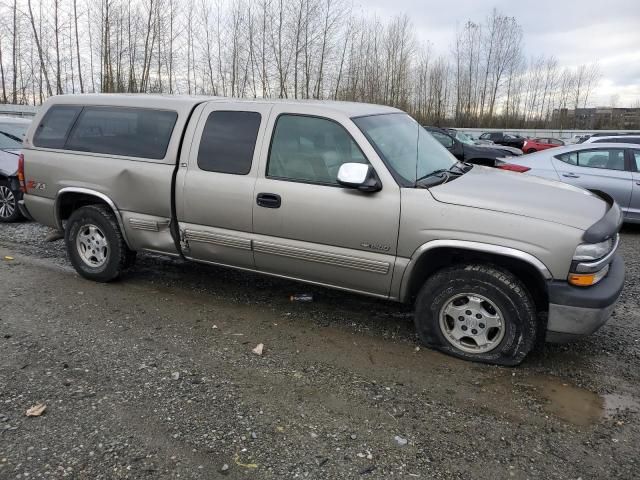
(439, 258)
(70, 202)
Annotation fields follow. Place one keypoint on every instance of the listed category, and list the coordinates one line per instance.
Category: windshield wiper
(446, 174)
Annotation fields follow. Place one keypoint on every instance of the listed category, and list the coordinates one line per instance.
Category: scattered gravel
(154, 377)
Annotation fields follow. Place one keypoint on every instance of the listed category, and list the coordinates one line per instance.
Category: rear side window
(228, 142)
(54, 127)
(131, 132)
(609, 159)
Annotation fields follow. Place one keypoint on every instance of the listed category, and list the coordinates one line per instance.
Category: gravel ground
(154, 377)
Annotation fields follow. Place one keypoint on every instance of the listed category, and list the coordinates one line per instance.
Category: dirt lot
(153, 377)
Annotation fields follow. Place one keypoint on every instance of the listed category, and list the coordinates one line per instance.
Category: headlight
(592, 251)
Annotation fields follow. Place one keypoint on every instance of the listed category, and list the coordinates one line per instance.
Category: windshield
(407, 148)
(11, 135)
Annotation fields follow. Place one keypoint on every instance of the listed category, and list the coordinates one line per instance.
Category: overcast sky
(575, 32)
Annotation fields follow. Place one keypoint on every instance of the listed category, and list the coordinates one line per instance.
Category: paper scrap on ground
(36, 410)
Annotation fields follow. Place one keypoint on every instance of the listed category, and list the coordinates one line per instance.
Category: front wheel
(477, 312)
(95, 245)
(9, 211)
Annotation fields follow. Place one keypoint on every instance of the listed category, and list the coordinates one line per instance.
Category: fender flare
(93, 193)
(472, 246)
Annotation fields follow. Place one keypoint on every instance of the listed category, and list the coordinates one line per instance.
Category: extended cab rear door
(216, 179)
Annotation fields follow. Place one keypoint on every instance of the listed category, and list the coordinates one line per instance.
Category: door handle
(638, 183)
(269, 200)
(570, 175)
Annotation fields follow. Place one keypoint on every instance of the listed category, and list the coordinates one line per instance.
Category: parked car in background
(12, 131)
(532, 145)
(509, 140)
(468, 140)
(613, 168)
(346, 195)
(579, 138)
(469, 152)
(615, 139)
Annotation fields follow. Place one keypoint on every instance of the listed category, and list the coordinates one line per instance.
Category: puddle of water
(570, 403)
(578, 405)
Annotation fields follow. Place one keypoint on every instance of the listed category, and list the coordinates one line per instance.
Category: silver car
(613, 168)
(12, 131)
(635, 139)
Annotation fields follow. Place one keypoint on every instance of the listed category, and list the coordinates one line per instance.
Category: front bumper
(577, 311)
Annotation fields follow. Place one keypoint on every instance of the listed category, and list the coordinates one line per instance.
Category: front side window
(636, 156)
(406, 147)
(54, 127)
(310, 149)
(131, 132)
(228, 142)
(609, 159)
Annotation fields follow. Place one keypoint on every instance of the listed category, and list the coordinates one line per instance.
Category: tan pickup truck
(350, 196)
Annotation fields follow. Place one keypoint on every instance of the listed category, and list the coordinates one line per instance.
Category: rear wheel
(477, 312)
(9, 211)
(95, 245)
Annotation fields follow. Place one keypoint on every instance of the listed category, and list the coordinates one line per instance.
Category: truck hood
(521, 194)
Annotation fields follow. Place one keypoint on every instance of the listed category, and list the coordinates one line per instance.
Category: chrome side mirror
(359, 176)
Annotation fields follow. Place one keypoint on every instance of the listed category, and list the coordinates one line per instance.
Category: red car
(536, 144)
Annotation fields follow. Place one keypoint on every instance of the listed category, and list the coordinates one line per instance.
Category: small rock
(353, 436)
(224, 468)
(259, 349)
(175, 376)
(400, 441)
(253, 435)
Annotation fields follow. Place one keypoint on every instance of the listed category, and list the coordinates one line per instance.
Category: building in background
(597, 118)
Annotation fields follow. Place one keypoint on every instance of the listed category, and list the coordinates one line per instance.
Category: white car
(612, 168)
(615, 139)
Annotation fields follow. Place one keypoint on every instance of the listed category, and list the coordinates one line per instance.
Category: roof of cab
(186, 102)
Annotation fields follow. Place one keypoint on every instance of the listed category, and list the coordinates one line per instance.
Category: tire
(95, 245)
(9, 211)
(450, 301)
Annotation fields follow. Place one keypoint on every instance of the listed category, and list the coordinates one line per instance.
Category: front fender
(488, 248)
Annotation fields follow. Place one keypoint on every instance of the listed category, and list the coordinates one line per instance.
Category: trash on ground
(7, 257)
(301, 297)
(245, 465)
(400, 441)
(259, 349)
(36, 410)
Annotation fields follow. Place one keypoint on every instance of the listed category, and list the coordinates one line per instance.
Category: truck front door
(306, 225)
